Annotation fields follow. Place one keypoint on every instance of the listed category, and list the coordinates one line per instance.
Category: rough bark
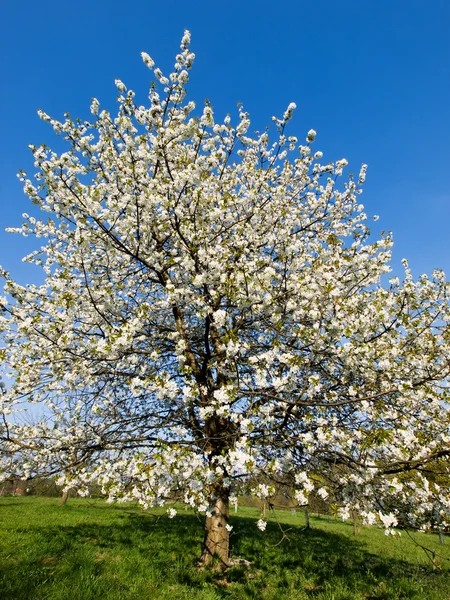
(216, 544)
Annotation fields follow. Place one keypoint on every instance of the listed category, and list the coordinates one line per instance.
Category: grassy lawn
(89, 550)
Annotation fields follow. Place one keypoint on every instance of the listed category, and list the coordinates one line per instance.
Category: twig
(430, 554)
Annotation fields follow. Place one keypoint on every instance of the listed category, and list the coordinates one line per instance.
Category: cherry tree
(216, 306)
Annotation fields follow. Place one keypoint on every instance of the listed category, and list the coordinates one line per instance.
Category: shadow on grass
(139, 546)
(325, 559)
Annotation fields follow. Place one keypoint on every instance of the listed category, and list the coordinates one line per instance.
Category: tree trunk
(308, 524)
(64, 498)
(355, 522)
(216, 544)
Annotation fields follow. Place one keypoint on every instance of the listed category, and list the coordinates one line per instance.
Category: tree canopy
(216, 312)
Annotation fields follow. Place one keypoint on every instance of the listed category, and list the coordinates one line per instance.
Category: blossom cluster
(213, 314)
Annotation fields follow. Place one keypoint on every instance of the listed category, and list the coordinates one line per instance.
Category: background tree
(38, 452)
(217, 299)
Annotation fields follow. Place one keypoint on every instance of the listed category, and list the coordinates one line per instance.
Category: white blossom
(147, 60)
(215, 317)
(261, 524)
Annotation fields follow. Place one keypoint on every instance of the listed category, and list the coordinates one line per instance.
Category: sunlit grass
(89, 550)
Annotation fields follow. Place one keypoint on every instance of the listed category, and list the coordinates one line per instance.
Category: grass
(89, 550)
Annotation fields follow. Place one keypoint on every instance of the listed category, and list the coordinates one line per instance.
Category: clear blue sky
(372, 77)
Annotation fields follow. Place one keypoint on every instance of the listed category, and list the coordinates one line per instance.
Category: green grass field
(89, 550)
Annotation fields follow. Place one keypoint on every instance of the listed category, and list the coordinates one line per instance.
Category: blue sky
(373, 78)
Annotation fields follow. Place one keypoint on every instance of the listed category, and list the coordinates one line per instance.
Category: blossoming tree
(214, 304)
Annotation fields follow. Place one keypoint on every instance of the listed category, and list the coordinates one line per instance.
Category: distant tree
(218, 300)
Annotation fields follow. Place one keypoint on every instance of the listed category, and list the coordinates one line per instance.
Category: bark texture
(216, 544)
